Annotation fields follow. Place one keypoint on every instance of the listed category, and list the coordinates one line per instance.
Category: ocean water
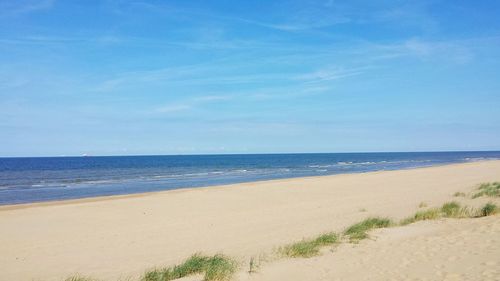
(24, 180)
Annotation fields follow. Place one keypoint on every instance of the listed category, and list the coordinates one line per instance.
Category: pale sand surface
(451, 249)
(121, 237)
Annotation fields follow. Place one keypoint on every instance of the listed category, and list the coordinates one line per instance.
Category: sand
(119, 237)
(451, 249)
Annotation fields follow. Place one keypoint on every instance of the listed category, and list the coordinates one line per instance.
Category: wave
(320, 166)
(475, 159)
(340, 166)
(205, 174)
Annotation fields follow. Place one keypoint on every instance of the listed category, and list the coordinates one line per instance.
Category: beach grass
(308, 247)
(430, 214)
(359, 230)
(489, 209)
(451, 209)
(217, 267)
(489, 189)
(252, 266)
(459, 194)
(220, 267)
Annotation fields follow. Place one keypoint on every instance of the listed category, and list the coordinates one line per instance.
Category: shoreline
(188, 189)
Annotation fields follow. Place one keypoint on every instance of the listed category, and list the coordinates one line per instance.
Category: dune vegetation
(308, 247)
(489, 189)
(217, 267)
(359, 230)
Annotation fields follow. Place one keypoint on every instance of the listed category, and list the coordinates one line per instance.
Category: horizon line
(223, 154)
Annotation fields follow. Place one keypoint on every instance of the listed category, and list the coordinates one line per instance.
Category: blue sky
(188, 77)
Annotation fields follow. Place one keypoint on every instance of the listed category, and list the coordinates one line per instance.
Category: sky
(196, 77)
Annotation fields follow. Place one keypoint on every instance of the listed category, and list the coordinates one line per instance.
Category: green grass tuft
(450, 209)
(422, 205)
(309, 247)
(326, 239)
(303, 249)
(407, 221)
(359, 231)
(489, 209)
(429, 214)
(490, 189)
(454, 210)
(459, 194)
(194, 264)
(217, 267)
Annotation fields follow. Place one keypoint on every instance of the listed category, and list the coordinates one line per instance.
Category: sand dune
(451, 249)
(122, 236)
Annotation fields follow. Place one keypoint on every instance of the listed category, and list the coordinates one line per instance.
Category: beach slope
(465, 249)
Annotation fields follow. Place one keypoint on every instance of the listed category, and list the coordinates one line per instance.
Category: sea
(26, 180)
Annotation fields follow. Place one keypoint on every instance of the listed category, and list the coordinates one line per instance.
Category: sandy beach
(120, 237)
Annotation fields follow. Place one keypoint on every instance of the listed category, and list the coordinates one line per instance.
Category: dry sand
(121, 236)
(452, 249)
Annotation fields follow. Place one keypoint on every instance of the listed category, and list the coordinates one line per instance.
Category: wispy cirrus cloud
(20, 7)
(352, 61)
(201, 74)
(211, 98)
(172, 108)
(49, 40)
(331, 73)
(190, 103)
(452, 51)
(297, 24)
(304, 16)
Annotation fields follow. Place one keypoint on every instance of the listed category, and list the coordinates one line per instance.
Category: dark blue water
(24, 180)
